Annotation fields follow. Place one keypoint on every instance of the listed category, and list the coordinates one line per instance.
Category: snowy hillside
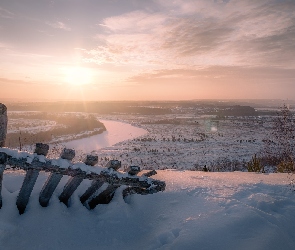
(197, 211)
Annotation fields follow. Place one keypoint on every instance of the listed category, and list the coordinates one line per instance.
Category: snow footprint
(167, 237)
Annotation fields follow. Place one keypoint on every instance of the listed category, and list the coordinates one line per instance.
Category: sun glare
(78, 76)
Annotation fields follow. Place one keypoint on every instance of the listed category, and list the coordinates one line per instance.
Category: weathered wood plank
(133, 170)
(41, 149)
(104, 197)
(91, 190)
(26, 190)
(3, 124)
(3, 159)
(149, 186)
(91, 160)
(2, 167)
(113, 164)
(54, 179)
(68, 154)
(150, 173)
(30, 180)
(48, 189)
(72, 184)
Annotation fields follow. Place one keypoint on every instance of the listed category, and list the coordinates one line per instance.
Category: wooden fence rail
(34, 163)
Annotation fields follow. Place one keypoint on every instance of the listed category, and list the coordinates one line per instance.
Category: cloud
(9, 82)
(217, 72)
(219, 82)
(5, 13)
(59, 25)
(134, 22)
(191, 33)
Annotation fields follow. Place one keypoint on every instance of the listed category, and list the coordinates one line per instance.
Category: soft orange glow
(147, 50)
(77, 75)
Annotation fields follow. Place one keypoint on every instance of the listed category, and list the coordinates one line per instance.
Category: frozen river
(116, 132)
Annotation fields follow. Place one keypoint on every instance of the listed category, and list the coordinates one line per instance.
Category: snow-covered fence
(36, 162)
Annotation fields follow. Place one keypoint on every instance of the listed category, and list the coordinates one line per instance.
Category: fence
(94, 195)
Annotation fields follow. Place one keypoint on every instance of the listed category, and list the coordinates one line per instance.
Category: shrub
(255, 165)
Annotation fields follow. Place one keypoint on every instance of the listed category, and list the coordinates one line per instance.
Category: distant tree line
(67, 124)
(91, 107)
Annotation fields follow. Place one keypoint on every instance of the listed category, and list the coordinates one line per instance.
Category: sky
(101, 50)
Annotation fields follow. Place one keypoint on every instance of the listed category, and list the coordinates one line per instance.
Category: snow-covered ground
(227, 144)
(198, 210)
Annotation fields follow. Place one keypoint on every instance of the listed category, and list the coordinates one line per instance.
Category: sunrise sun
(78, 75)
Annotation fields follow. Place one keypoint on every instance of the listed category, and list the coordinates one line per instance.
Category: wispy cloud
(5, 13)
(59, 25)
(190, 33)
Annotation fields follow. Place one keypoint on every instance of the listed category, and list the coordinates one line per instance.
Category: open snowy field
(222, 145)
(173, 141)
(197, 210)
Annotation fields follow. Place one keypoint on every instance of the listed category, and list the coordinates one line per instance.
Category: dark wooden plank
(3, 124)
(147, 185)
(41, 149)
(48, 189)
(68, 154)
(91, 160)
(104, 197)
(150, 173)
(54, 179)
(26, 190)
(91, 190)
(72, 184)
(113, 164)
(2, 167)
(133, 170)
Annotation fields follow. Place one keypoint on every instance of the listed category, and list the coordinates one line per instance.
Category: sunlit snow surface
(116, 132)
(198, 210)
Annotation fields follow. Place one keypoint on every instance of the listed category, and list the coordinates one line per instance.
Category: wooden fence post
(74, 182)
(104, 197)
(54, 179)
(30, 180)
(95, 185)
(3, 124)
(107, 195)
(2, 167)
(113, 164)
(3, 132)
(3, 158)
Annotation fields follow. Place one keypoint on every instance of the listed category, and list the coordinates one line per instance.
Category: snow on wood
(54, 179)
(30, 180)
(34, 163)
(3, 124)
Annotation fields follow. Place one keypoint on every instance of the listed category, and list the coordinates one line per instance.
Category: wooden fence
(34, 163)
